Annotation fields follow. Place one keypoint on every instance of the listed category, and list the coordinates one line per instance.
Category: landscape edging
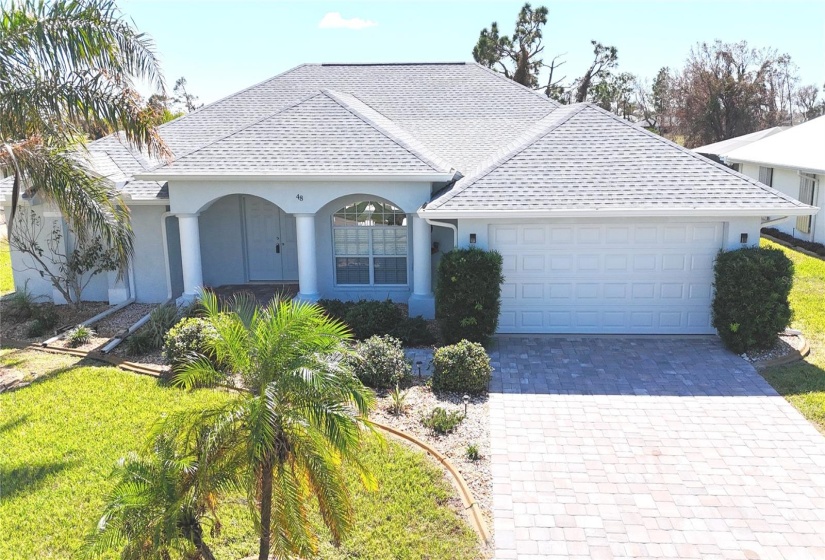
(470, 504)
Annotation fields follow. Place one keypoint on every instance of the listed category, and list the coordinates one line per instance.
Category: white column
(422, 301)
(190, 255)
(307, 265)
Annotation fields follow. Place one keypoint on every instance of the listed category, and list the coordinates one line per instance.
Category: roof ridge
(237, 130)
(411, 143)
(513, 82)
(699, 157)
(542, 128)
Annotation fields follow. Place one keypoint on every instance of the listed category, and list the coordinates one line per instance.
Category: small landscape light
(418, 363)
(466, 402)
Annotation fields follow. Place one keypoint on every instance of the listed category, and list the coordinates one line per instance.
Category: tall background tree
(68, 67)
(520, 57)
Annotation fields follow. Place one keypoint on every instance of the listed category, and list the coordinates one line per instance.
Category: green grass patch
(803, 383)
(61, 436)
(6, 278)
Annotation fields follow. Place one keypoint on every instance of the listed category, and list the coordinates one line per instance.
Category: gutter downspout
(166, 253)
(447, 225)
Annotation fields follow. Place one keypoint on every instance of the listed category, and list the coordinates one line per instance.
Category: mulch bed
(69, 316)
(474, 429)
(785, 345)
(109, 327)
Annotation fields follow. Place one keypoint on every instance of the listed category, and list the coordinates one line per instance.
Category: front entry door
(264, 249)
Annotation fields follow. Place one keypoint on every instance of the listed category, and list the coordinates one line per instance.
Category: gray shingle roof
(327, 133)
(583, 158)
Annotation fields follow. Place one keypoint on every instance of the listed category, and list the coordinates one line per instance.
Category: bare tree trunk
(266, 509)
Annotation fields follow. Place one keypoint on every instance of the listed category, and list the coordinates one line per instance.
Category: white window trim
(370, 256)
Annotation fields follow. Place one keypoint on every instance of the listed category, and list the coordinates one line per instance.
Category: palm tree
(67, 67)
(301, 414)
(162, 501)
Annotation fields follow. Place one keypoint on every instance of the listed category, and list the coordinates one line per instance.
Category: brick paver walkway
(648, 448)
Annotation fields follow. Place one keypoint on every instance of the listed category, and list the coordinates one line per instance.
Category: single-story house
(719, 150)
(351, 180)
(792, 162)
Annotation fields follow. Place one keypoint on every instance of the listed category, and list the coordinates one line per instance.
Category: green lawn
(6, 280)
(803, 383)
(60, 437)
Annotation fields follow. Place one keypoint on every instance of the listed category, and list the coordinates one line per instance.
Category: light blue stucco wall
(149, 261)
(24, 268)
(222, 249)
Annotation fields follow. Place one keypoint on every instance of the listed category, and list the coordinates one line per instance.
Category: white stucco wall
(786, 180)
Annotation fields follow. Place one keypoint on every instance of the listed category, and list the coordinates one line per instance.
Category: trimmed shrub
(751, 305)
(336, 309)
(140, 342)
(369, 318)
(414, 332)
(379, 362)
(442, 422)
(463, 368)
(188, 338)
(468, 294)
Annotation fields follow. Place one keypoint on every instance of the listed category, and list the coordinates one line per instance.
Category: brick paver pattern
(648, 448)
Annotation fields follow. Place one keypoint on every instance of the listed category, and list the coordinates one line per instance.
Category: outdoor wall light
(472, 238)
(743, 238)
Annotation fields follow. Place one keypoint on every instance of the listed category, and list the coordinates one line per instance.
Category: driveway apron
(648, 448)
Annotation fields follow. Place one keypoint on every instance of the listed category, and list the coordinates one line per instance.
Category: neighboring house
(352, 179)
(792, 162)
(718, 150)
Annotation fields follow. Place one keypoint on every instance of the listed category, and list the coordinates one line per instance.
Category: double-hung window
(807, 183)
(369, 241)
(766, 175)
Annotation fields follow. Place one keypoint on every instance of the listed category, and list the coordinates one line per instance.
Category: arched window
(370, 244)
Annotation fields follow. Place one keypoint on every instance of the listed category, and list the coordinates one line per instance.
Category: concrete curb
(470, 504)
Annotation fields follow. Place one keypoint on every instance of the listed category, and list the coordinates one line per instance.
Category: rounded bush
(751, 305)
(463, 368)
(379, 362)
(468, 294)
(369, 318)
(188, 338)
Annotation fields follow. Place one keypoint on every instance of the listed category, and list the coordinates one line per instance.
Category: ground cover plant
(61, 437)
(803, 383)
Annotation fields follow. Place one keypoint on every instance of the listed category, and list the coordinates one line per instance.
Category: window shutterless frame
(365, 233)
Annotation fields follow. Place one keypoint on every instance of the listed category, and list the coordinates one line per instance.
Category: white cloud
(334, 20)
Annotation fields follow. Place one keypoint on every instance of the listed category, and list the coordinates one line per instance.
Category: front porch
(246, 243)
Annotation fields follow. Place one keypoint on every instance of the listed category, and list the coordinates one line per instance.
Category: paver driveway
(645, 448)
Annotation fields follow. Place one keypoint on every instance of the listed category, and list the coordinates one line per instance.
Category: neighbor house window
(807, 182)
(766, 175)
(369, 241)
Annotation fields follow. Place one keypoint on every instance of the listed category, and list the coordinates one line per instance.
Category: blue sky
(223, 46)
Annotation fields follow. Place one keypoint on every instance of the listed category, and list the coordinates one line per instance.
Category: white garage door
(648, 278)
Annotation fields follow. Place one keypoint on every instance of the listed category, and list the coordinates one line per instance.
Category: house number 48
(299, 196)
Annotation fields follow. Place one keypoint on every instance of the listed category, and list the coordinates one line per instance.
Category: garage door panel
(593, 278)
